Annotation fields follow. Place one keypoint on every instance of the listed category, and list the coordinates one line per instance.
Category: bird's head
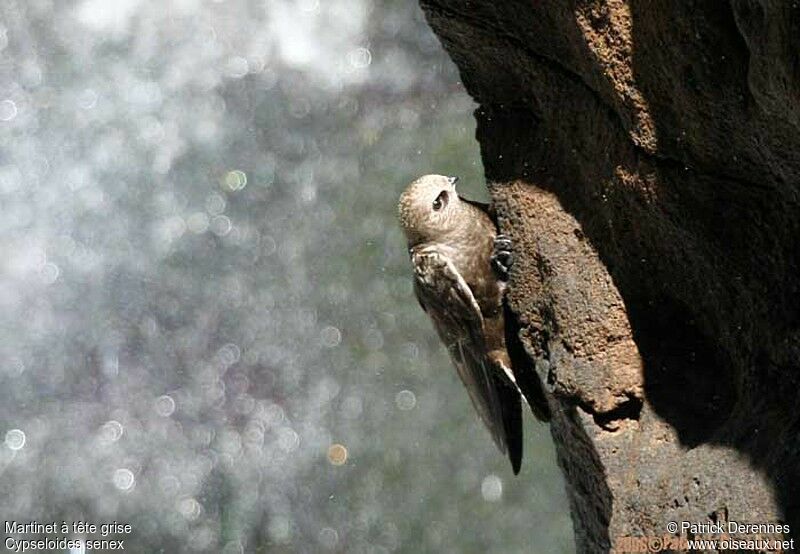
(428, 208)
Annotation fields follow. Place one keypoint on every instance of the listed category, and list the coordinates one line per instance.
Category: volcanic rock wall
(645, 158)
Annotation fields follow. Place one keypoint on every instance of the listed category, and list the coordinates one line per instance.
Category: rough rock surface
(646, 161)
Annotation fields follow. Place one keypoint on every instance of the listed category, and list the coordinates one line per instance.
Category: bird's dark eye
(441, 201)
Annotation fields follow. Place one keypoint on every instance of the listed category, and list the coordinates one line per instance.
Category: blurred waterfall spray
(207, 325)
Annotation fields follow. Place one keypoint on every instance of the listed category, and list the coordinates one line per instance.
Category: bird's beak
(453, 180)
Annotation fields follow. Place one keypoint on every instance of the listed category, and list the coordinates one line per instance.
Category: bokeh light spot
(221, 225)
(288, 439)
(50, 273)
(337, 454)
(330, 336)
(189, 508)
(359, 58)
(328, 538)
(111, 431)
(234, 180)
(405, 400)
(165, 405)
(15, 439)
(229, 354)
(87, 99)
(492, 488)
(123, 479)
(8, 110)
(215, 204)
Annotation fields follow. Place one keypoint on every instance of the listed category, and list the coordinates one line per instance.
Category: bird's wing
(448, 300)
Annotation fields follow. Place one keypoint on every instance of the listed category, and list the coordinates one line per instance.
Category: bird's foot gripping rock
(502, 256)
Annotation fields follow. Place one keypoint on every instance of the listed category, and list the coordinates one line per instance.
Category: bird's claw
(502, 256)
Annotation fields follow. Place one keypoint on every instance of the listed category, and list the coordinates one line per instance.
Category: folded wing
(448, 300)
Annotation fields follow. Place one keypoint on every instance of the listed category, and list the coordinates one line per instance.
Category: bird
(461, 265)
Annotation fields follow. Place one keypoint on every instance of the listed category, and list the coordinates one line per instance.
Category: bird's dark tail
(511, 406)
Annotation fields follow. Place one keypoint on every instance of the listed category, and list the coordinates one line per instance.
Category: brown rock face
(646, 161)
